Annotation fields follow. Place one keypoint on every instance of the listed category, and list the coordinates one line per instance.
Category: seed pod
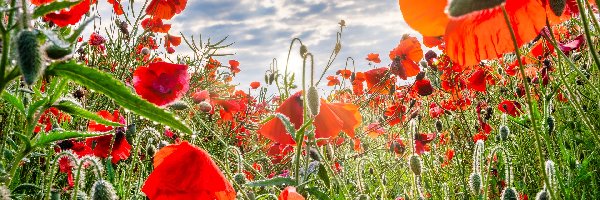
(30, 60)
(509, 194)
(145, 51)
(313, 100)
(475, 183)
(550, 121)
(415, 164)
(239, 178)
(438, 126)
(56, 52)
(504, 132)
(81, 195)
(542, 195)
(557, 6)
(303, 51)
(103, 190)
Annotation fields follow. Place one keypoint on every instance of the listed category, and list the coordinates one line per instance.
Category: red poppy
(71, 15)
(255, 85)
(344, 73)
(373, 57)
(478, 35)
(96, 39)
(357, 84)
(422, 141)
(114, 117)
(41, 2)
(46, 119)
(333, 81)
(378, 80)
(512, 108)
(396, 113)
(572, 45)
(432, 41)
(278, 152)
(480, 136)
(165, 9)
(332, 118)
(234, 65)
(116, 6)
(477, 81)
(183, 171)
(374, 130)
(200, 96)
(101, 146)
(161, 83)
(155, 25)
(449, 156)
(171, 40)
(435, 110)
(398, 146)
(289, 193)
(229, 108)
(406, 57)
(423, 87)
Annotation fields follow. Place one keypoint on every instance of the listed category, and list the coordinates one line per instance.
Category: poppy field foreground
(490, 100)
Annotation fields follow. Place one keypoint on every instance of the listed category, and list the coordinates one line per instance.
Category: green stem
(6, 44)
(529, 102)
(588, 35)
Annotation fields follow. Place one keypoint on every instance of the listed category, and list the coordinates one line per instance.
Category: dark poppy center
(162, 84)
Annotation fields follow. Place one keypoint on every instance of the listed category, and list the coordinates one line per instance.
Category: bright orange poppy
(479, 35)
(406, 57)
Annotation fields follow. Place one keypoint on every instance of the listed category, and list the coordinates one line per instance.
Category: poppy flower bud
(150, 151)
(314, 154)
(4, 193)
(162, 144)
(205, 106)
(56, 52)
(542, 195)
(103, 190)
(79, 93)
(509, 194)
(30, 60)
(420, 76)
(314, 103)
(423, 64)
(475, 183)
(145, 51)
(123, 28)
(330, 153)
(272, 78)
(81, 195)
(362, 197)
(438, 126)
(504, 132)
(415, 164)
(178, 105)
(239, 178)
(267, 79)
(557, 6)
(303, 51)
(550, 122)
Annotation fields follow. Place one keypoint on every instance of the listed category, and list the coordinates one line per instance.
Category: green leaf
(110, 171)
(16, 102)
(52, 7)
(74, 109)
(317, 193)
(289, 127)
(272, 182)
(116, 90)
(45, 138)
(323, 175)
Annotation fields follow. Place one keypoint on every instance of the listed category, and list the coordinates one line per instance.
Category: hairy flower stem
(588, 35)
(6, 44)
(529, 102)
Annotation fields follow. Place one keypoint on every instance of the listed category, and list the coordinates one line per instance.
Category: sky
(263, 29)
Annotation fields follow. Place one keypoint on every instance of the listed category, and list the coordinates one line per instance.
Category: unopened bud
(239, 178)
(415, 164)
(509, 194)
(205, 106)
(313, 100)
(103, 190)
(504, 132)
(542, 195)
(475, 183)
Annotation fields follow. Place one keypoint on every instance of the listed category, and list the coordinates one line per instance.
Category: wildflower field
(495, 99)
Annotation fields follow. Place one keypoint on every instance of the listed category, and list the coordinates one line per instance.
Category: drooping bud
(56, 52)
(81, 195)
(504, 132)
(30, 61)
(550, 172)
(313, 100)
(478, 154)
(475, 183)
(314, 154)
(303, 51)
(179, 105)
(338, 48)
(150, 151)
(239, 178)
(205, 106)
(415, 164)
(103, 190)
(542, 195)
(438, 126)
(509, 194)
(551, 124)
